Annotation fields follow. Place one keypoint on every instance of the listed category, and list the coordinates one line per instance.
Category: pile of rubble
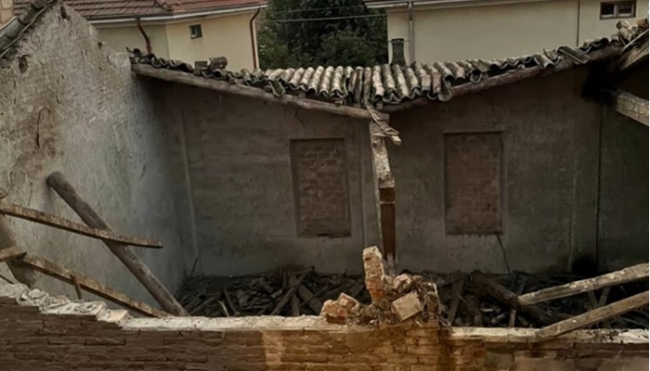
(458, 299)
(394, 299)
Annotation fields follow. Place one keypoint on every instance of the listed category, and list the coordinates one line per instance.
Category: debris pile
(394, 299)
(458, 299)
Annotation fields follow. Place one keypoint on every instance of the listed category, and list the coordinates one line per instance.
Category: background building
(464, 29)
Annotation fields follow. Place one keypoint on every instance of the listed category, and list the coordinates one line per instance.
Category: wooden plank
(249, 91)
(456, 292)
(487, 286)
(295, 303)
(630, 57)
(592, 317)
(140, 270)
(22, 274)
(513, 312)
(53, 270)
(292, 290)
(310, 299)
(70, 226)
(628, 105)
(628, 274)
(505, 79)
(11, 253)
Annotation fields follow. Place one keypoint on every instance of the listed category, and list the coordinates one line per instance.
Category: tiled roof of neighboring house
(104, 9)
(393, 84)
(12, 32)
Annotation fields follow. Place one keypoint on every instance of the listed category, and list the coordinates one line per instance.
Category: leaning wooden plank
(123, 252)
(70, 226)
(24, 275)
(628, 274)
(11, 253)
(90, 285)
(592, 317)
(487, 286)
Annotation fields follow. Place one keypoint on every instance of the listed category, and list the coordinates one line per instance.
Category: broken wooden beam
(140, 270)
(627, 105)
(456, 292)
(310, 299)
(70, 226)
(295, 303)
(487, 286)
(592, 317)
(22, 274)
(628, 274)
(53, 270)
(11, 253)
(292, 290)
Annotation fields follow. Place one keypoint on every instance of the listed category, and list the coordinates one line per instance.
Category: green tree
(321, 32)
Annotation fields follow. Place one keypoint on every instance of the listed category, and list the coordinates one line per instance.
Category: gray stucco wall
(623, 210)
(550, 177)
(77, 109)
(241, 182)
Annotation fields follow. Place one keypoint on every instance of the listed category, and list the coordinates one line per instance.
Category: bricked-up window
(473, 183)
(320, 179)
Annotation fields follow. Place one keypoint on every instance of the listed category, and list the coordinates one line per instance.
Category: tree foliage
(299, 33)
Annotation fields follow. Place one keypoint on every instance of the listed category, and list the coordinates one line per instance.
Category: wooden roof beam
(627, 105)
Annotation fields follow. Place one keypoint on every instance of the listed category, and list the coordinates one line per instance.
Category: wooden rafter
(53, 270)
(610, 279)
(592, 317)
(70, 226)
(132, 261)
(627, 105)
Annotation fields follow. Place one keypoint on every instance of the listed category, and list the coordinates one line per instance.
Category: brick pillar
(6, 11)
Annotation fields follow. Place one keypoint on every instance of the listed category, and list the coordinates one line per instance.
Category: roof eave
(173, 15)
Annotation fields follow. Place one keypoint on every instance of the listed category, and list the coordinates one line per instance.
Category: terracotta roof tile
(93, 9)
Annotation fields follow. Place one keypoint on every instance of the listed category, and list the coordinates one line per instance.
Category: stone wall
(68, 103)
(42, 332)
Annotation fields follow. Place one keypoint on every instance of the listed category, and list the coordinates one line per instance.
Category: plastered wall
(70, 104)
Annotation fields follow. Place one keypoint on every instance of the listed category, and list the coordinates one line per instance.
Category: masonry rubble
(394, 299)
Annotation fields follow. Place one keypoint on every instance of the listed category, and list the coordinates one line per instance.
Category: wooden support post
(592, 317)
(23, 274)
(628, 274)
(386, 195)
(70, 226)
(61, 186)
(66, 275)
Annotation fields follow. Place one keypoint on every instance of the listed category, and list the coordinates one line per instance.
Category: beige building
(435, 30)
(194, 30)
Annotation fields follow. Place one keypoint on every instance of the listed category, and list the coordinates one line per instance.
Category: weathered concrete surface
(73, 106)
(549, 177)
(240, 172)
(623, 211)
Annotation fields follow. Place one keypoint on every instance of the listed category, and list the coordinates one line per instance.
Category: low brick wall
(38, 331)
